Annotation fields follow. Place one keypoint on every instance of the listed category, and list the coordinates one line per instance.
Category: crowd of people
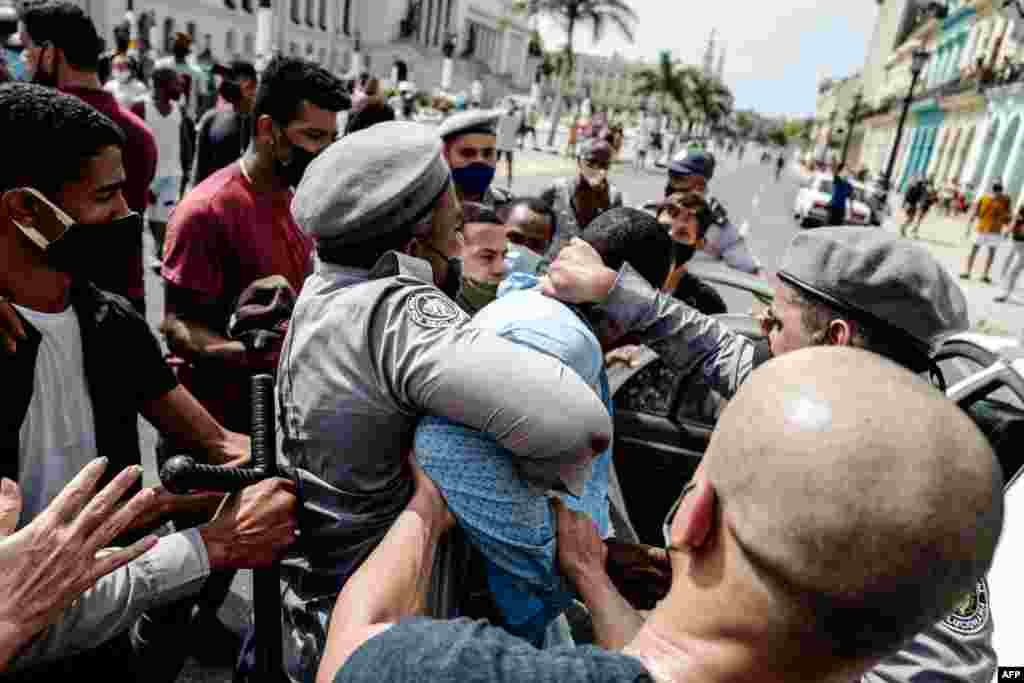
(439, 347)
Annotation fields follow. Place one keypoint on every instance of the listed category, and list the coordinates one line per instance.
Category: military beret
(466, 122)
(694, 163)
(371, 183)
(883, 281)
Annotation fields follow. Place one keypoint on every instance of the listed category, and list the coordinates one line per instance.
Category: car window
(957, 368)
(960, 367)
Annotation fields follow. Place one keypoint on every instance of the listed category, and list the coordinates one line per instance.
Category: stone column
(990, 165)
(503, 48)
(1014, 160)
(978, 144)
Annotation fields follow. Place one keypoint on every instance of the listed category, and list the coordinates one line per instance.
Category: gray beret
(881, 280)
(465, 122)
(371, 183)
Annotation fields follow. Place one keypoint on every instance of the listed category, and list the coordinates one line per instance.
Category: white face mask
(123, 76)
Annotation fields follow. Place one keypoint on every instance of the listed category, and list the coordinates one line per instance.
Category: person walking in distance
(990, 215)
(174, 131)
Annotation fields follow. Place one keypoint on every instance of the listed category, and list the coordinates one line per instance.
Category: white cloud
(777, 51)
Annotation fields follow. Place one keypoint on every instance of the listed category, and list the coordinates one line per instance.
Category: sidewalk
(945, 239)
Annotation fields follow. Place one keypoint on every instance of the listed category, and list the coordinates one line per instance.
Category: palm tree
(711, 98)
(669, 82)
(599, 14)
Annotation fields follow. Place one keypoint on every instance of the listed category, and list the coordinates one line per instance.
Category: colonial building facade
(489, 42)
(965, 118)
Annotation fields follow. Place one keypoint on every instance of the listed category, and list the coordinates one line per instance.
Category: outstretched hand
(47, 564)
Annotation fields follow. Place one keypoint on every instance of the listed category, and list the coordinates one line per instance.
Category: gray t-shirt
(464, 651)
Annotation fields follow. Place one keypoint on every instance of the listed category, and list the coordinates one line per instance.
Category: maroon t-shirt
(139, 154)
(222, 237)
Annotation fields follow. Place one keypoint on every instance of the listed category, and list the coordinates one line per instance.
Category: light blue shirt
(492, 493)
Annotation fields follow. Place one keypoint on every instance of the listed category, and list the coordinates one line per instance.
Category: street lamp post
(851, 121)
(917, 61)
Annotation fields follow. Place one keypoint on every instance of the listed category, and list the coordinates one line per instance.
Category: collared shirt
(367, 354)
(174, 569)
(498, 501)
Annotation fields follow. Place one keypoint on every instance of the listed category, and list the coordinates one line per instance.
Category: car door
(664, 418)
(986, 378)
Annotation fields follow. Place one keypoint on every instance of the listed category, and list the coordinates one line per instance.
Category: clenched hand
(578, 275)
(254, 527)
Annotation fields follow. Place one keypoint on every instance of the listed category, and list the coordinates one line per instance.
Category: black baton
(182, 474)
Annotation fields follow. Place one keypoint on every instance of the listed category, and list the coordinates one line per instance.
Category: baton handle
(182, 474)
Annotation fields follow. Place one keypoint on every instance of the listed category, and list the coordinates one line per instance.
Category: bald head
(858, 492)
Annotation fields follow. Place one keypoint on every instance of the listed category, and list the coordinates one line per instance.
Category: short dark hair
(74, 131)
(537, 206)
(66, 27)
(369, 112)
(163, 74)
(240, 68)
(475, 212)
(625, 235)
(287, 81)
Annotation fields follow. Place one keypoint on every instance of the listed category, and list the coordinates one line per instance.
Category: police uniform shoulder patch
(434, 310)
(971, 614)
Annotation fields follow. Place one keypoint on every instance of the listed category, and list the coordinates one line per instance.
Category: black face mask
(94, 251)
(291, 171)
(682, 253)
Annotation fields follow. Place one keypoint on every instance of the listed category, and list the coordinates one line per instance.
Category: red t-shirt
(139, 154)
(222, 237)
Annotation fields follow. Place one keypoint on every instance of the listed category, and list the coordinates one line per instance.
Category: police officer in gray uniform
(692, 172)
(842, 286)
(373, 345)
(470, 148)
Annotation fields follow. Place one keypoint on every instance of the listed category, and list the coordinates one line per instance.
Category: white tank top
(167, 131)
(58, 435)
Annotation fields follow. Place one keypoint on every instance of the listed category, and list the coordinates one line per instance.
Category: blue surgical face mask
(474, 179)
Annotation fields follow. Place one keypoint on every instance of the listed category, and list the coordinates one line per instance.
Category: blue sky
(777, 51)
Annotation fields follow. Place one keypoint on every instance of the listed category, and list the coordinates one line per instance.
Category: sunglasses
(666, 527)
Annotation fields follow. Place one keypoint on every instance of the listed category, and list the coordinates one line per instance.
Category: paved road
(756, 202)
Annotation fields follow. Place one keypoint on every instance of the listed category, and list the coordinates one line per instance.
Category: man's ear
(19, 206)
(265, 130)
(840, 332)
(695, 519)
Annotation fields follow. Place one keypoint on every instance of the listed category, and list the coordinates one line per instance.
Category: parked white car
(811, 205)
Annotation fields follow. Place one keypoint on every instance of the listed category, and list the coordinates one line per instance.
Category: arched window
(293, 50)
(323, 15)
(309, 12)
(247, 6)
(346, 18)
(190, 28)
(323, 57)
(230, 46)
(249, 45)
(168, 34)
(309, 51)
(296, 17)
